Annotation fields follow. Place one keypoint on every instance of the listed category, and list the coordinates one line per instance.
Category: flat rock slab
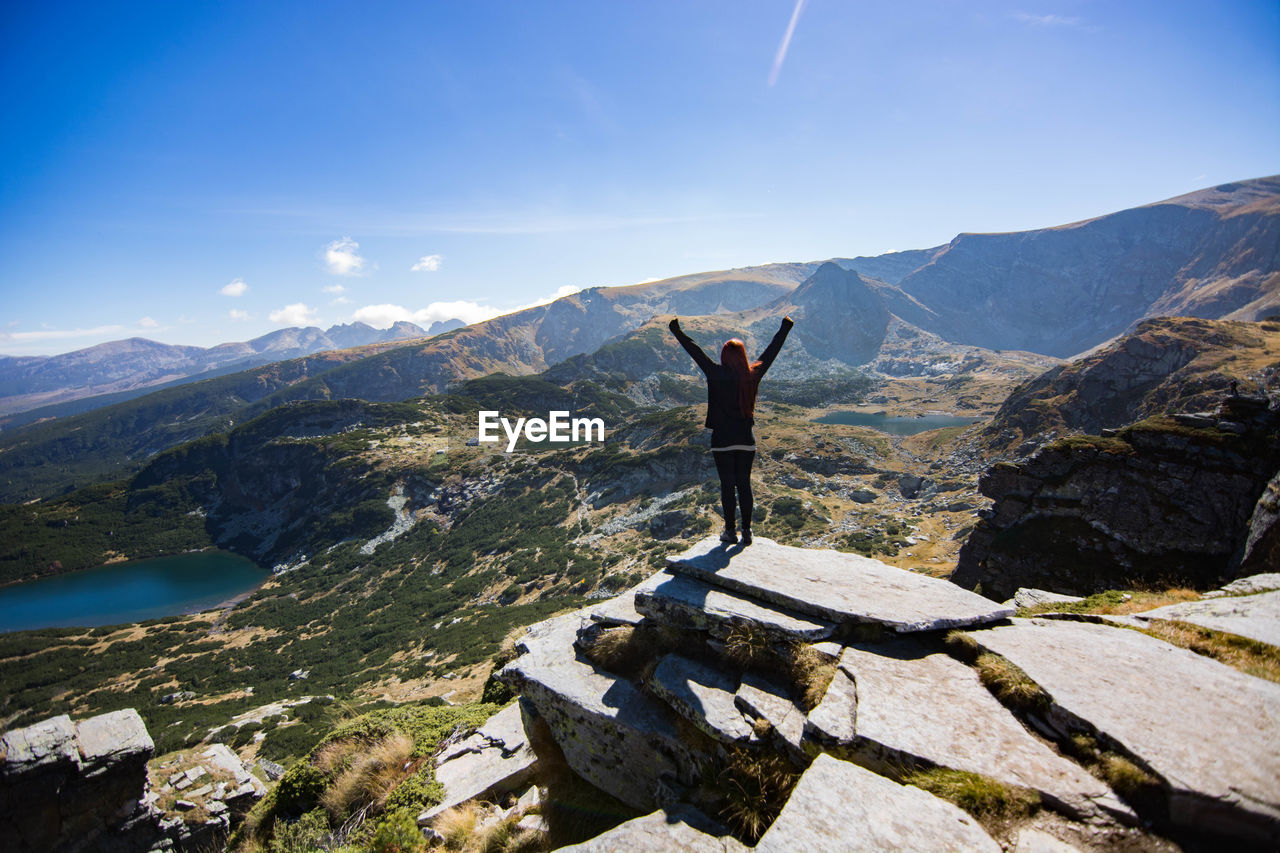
(1209, 731)
(1248, 585)
(702, 695)
(915, 703)
(663, 831)
(1254, 616)
(1030, 597)
(833, 721)
(841, 806)
(621, 609)
(766, 699)
(691, 602)
(504, 761)
(602, 723)
(842, 588)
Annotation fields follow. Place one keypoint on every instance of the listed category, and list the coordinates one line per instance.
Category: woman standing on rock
(731, 405)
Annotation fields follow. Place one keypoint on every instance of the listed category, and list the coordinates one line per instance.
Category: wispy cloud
(235, 287)
(238, 315)
(342, 257)
(297, 314)
(781, 56)
(57, 334)
(334, 288)
(148, 323)
(427, 263)
(1048, 20)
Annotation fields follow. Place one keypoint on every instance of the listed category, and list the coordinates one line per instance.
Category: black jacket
(722, 385)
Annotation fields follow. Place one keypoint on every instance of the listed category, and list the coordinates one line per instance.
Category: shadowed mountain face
(1060, 291)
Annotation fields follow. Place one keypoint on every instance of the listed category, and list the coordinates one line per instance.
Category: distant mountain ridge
(1008, 303)
(30, 382)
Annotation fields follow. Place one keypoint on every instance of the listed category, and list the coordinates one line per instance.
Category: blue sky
(206, 172)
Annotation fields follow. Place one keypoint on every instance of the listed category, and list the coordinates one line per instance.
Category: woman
(731, 404)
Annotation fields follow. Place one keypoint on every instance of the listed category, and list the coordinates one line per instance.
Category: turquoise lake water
(894, 425)
(129, 592)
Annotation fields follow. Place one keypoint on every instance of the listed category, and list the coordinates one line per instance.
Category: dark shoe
(728, 538)
(746, 537)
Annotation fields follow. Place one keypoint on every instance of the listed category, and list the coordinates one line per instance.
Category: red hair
(733, 356)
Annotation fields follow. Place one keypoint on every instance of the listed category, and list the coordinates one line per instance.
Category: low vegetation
(988, 800)
(358, 784)
(1248, 656)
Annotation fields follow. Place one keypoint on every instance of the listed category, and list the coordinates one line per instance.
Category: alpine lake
(895, 425)
(135, 591)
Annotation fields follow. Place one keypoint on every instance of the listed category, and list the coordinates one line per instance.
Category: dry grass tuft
(754, 786)
(333, 757)
(810, 673)
(963, 646)
(1010, 684)
(627, 650)
(370, 777)
(1248, 656)
(457, 824)
(747, 646)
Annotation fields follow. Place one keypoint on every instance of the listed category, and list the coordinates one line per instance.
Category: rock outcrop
(650, 694)
(1164, 500)
(84, 786)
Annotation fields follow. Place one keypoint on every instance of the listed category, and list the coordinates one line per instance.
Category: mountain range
(1006, 303)
(29, 382)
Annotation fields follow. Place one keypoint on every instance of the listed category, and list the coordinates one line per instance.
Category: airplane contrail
(786, 43)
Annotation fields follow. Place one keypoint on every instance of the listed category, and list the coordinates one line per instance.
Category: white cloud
(334, 288)
(567, 290)
(342, 258)
(341, 300)
(1047, 20)
(235, 287)
(427, 263)
(297, 314)
(382, 316)
(148, 323)
(237, 314)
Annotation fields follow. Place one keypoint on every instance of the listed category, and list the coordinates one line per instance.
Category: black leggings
(734, 468)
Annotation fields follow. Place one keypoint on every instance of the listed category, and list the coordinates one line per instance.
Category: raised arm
(775, 345)
(690, 347)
